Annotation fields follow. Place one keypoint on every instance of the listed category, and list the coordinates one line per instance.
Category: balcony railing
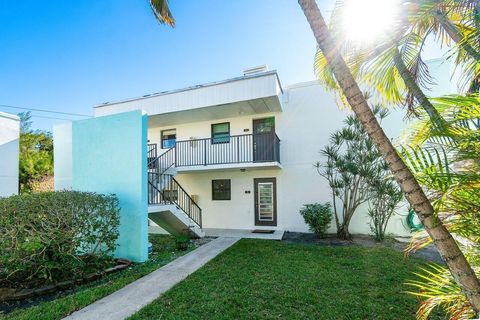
(260, 147)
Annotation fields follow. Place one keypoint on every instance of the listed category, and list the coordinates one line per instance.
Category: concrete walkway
(131, 298)
(242, 233)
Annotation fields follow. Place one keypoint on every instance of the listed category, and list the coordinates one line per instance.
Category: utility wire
(54, 118)
(43, 110)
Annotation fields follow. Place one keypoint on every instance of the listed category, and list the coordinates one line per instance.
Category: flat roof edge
(262, 74)
(9, 116)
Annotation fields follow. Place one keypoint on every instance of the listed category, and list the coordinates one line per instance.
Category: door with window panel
(264, 139)
(265, 202)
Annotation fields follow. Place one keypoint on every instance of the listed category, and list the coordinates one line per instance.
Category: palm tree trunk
(456, 35)
(413, 87)
(443, 240)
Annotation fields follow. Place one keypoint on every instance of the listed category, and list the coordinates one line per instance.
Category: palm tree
(162, 12)
(447, 164)
(390, 72)
(374, 64)
(414, 89)
(452, 20)
(444, 242)
(448, 18)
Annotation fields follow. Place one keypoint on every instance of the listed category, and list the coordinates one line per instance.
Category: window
(266, 125)
(221, 189)
(169, 138)
(221, 132)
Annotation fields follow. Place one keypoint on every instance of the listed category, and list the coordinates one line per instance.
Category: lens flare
(365, 21)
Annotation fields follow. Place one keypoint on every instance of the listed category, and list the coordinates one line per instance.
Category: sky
(69, 56)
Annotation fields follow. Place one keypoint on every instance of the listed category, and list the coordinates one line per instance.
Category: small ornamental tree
(385, 197)
(351, 162)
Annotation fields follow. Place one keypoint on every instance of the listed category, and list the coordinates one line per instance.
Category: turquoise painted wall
(109, 155)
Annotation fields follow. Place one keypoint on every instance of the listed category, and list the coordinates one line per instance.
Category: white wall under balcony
(9, 151)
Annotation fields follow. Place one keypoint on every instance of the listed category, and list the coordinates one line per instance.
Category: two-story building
(240, 153)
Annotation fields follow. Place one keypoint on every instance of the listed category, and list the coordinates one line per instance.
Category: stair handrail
(183, 200)
(168, 157)
(180, 186)
(195, 216)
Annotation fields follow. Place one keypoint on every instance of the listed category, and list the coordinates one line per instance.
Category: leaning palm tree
(444, 242)
(162, 12)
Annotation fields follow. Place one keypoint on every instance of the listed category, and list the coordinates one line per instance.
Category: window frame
(212, 134)
(214, 198)
(162, 139)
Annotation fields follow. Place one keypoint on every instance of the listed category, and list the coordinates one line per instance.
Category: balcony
(260, 150)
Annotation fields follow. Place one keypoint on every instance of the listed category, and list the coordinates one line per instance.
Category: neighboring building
(239, 153)
(9, 150)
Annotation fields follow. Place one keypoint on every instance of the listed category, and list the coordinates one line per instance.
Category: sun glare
(364, 21)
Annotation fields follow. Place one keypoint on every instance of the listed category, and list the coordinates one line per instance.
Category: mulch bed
(428, 253)
(11, 298)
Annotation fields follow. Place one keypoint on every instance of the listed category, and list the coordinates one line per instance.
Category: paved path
(131, 298)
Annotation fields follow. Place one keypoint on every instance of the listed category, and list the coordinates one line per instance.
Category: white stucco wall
(309, 117)
(9, 153)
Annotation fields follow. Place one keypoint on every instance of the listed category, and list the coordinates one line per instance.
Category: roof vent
(255, 70)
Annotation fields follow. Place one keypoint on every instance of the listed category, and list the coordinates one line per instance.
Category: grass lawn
(258, 279)
(163, 252)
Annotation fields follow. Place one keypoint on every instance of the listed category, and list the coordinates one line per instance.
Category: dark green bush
(318, 217)
(55, 236)
(182, 242)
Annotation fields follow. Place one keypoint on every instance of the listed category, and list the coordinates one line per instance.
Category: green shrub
(318, 217)
(54, 236)
(182, 242)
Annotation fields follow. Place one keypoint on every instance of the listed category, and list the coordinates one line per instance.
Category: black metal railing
(151, 153)
(260, 147)
(164, 189)
(163, 162)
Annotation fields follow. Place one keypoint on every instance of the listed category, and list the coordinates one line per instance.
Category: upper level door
(263, 139)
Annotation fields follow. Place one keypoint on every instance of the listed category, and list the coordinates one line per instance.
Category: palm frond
(161, 10)
(437, 289)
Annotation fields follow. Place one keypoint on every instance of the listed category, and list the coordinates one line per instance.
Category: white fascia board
(219, 93)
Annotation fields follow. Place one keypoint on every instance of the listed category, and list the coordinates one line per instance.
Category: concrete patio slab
(131, 298)
(242, 233)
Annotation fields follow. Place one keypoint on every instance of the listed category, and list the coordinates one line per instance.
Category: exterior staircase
(169, 204)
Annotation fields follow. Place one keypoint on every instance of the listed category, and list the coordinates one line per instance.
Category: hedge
(54, 236)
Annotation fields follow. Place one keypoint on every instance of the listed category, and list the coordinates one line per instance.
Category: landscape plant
(55, 236)
(351, 164)
(65, 303)
(456, 261)
(318, 217)
(447, 163)
(393, 68)
(385, 196)
(36, 154)
(182, 242)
